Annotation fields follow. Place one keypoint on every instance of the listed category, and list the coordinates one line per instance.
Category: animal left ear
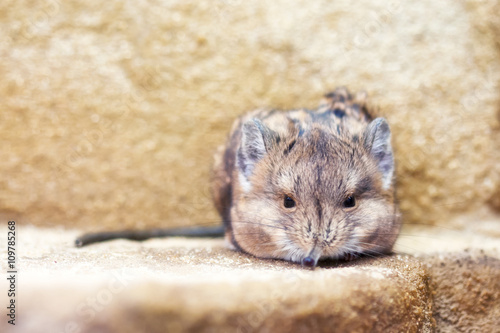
(378, 142)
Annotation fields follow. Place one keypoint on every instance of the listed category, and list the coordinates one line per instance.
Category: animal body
(302, 185)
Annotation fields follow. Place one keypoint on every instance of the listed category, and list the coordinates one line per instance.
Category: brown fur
(318, 158)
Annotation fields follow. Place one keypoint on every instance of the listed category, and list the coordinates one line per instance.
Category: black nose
(308, 262)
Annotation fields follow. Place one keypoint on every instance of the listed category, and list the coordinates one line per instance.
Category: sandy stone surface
(109, 116)
(110, 113)
(195, 285)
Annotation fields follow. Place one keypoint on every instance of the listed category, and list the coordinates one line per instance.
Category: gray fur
(378, 142)
(318, 158)
(252, 147)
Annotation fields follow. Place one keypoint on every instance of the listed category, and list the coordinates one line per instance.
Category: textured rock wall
(110, 112)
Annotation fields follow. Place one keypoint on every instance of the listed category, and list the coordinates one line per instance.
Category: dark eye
(288, 202)
(350, 202)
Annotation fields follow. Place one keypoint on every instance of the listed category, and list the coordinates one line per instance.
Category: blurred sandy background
(110, 111)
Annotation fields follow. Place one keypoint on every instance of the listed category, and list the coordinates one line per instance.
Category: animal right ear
(253, 145)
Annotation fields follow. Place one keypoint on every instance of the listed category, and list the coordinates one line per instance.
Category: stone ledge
(181, 285)
(466, 290)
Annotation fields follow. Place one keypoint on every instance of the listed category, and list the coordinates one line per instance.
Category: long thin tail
(139, 235)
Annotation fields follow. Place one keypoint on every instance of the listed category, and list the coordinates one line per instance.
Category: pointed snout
(309, 262)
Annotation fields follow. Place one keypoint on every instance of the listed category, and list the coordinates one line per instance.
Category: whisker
(438, 226)
(408, 235)
(263, 224)
(368, 251)
(382, 253)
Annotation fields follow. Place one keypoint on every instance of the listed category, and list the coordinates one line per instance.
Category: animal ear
(254, 136)
(378, 143)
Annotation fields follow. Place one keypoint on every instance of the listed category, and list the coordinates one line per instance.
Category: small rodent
(302, 185)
